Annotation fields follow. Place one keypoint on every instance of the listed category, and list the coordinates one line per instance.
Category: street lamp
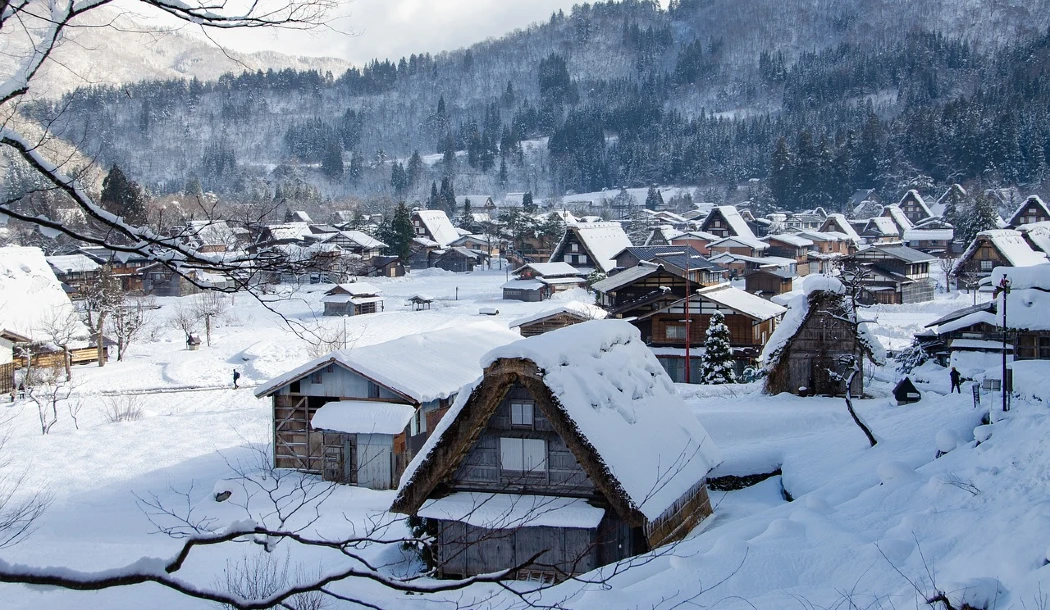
(1004, 289)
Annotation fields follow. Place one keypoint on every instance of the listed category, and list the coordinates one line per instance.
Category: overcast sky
(364, 29)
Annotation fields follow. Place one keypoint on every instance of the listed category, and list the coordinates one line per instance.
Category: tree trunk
(98, 339)
(207, 329)
(849, 406)
(68, 362)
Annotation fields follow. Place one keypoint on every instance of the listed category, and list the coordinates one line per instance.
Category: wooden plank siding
(545, 325)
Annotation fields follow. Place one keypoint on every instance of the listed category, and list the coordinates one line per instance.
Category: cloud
(361, 30)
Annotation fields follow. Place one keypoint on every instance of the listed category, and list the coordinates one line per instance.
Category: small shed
(421, 301)
(360, 440)
(385, 266)
(352, 299)
(460, 260)
(547, 320)
(573, 443)
(821, 332)
(905, 392)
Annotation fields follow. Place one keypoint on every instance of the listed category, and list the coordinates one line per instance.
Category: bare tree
(129, 318)
(46, 387)
(208, 306)
(946, 262)
(100, 299)
(183, 318)
(62, 326)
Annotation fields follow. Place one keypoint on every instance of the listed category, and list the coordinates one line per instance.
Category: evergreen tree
(716, 365)
(782, 175)
(653, 199)
(466, 218)
(447, 197)
(357, 167)
(434, 201)
(123, 197)
(527, 204)
(398, 179)
(332, 163)
(414, 170)
(503, 172)
(401, 232)
(981, 214)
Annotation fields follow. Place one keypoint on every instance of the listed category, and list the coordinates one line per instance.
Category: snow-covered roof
(735, 221)
(423, 367)
(603, 240)
(578, 308)
(798, 311)
(1032, 199)
(735, 240)
(898, 216)
(617, 397)
(72, 263)
(438, 226)
(290, 231)
(625, 277)
(357, 289)
(929, 234)
(1010, 244)
(363, 417)
(210, 232)
(882, 225)
(550, 269)
(523, 285)
(832, 236)
(704, 235)
(790, 238)
(1028, 302)
(977, 317)
(1038, 234)
(843, 224)
(362, 239)
(666, 232)
(915, 196)
(742, 301)
(30, 294)
(511, 511)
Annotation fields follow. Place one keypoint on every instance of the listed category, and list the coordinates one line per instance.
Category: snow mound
(946, 441)
(895, 472)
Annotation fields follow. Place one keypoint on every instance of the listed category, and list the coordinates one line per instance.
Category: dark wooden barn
(528, 462)
(815, 345)
(905, 392)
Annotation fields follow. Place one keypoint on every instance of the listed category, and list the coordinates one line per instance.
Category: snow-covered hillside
(844, 524)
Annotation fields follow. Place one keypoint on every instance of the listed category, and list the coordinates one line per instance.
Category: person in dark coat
(956, 380)
(237, 375)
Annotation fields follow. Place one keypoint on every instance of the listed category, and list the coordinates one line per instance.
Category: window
(523, 454)
(674, 331)
(419, 422)
(583, 259)
(521, 413)
(1044, 348)
(294, 387)
(986, 265)
(373, 390)
(574, 247)
(316, 377)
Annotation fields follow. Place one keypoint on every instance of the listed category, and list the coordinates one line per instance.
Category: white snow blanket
(363, 417)
(30, 293)
(511, 511)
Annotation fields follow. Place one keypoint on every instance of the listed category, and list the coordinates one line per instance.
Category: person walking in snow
(956, 380)
(237, 375)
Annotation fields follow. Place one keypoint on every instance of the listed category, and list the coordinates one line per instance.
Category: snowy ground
(875, 527)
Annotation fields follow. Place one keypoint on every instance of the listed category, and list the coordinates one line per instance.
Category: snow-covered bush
(910, 357)
(716, 365)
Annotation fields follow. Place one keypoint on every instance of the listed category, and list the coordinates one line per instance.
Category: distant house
(697, 240)
(896, 274)
(489, 244)
(899, 217)
(914, 207)
(75, 271)
(862, 200)
(161, 280)
(952, 196)
(1033, 210)
(384, 399)
(768, 283)
(459, 260)
(423, 252)
(591, 246)
(527, 460)
(934, 236)
(352, 242)
(540, 281)
(837, 223)
(819, 338)
(384, 266)
(881, 230)
(676, 259)
(212, 235)
(352, 299)
(435, 226)
(125, 266)
(968, 330)
(662, 235)
(789, 245)
(547, 320)
(745, 246)
(726, 221)
(996, 248)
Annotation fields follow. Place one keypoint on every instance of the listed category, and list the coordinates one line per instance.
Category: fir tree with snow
(716, 366)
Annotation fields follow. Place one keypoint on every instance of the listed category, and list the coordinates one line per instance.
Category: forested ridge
(815, 98)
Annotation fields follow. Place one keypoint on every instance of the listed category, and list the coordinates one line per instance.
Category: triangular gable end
(465, 430)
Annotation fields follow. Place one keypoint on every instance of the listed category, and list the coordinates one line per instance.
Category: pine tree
(434, 201)
(332, 163)
(401, 232)
(527, 205)
(123, 197)
(716, 366)
(653, 200)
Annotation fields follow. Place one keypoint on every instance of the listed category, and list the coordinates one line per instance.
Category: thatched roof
(606, 395)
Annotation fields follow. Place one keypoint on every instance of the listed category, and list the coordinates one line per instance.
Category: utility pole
(688, 296)
(1004, 289)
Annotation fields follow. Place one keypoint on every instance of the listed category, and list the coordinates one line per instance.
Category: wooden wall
(548, 324)
(466, 550)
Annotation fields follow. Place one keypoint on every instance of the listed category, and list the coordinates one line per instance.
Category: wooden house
(726, 221)
(996, 248)
(838, 223)
(547, 320)
(675, 259)
(899, 218)
(212, 235)
(352, 299)
(423, 252)
(9, 340)
(668, 327)
(881, 230)
(744, 246)
(435, 226)
(697, 240)
(1033, 210)
(384, 266)
(862, 200)
(819, 339)
(527, 462)
(459, 260)
(662, 235)
(790, 245)
(1027, 306)
(125, 266)
(591, 246)
(768, 283)
(374, 388)
(896, 274)
(76, 272)
(489, 244)
(914, 207)
(539, 281)
(355, 243)
(953, 196)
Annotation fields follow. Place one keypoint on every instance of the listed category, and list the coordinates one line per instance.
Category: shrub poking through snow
(127, 407)
(717, 364)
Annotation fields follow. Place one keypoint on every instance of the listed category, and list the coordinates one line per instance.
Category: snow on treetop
(30, 293)
(613, 389)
